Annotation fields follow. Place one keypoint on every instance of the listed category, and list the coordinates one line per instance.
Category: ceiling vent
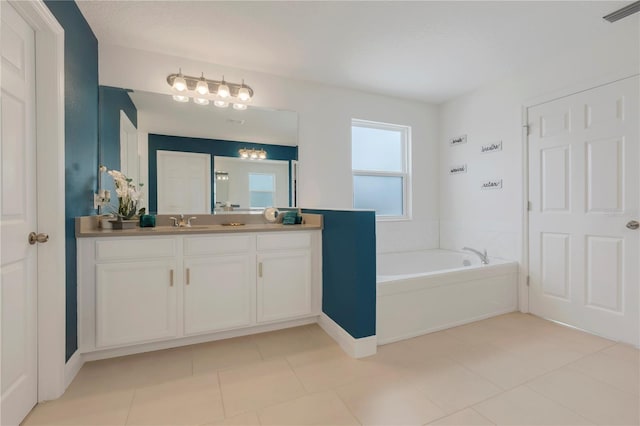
(624, 12)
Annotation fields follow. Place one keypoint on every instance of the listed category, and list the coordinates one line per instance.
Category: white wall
(325, 115)
(494, 219)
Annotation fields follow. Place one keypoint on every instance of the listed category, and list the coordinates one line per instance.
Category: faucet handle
(181, 217)
(190, 219)
(175, 221)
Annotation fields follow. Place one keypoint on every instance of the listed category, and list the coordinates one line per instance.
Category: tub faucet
(484, 259)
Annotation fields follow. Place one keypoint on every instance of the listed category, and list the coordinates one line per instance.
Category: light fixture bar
(192, 82)
(624, 12)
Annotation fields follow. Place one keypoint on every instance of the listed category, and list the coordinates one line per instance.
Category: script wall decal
(458, 140)
(491, 184)
(491, 147)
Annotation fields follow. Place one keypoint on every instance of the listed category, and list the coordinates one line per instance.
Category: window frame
(273, 193)
(405, 174)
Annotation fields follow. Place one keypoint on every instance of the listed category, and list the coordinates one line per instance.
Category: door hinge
(529, 206)
(528, 280)
(527, 129)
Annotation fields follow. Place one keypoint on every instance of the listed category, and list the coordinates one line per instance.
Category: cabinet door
(135, 302)
(284, 285)
(217, 293)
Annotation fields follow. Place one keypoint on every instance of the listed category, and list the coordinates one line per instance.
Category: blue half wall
(81, 140)
(349, 269)
(205, 146)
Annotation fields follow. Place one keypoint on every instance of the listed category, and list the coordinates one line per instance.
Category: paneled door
(18, 208)
(584, 192)
(184, 183)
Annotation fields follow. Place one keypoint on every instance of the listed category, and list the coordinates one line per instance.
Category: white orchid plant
(129, 195)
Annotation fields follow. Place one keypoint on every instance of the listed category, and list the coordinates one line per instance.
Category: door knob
(633, 224)
(37, 238)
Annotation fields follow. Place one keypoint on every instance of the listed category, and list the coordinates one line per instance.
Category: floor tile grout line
(562, 405)
(133, 397)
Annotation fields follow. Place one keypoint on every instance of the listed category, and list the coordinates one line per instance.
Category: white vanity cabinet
(284, 276)
(135, 302)
(150, 292)
(219, 278)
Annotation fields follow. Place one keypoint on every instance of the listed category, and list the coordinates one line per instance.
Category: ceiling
(429, 50)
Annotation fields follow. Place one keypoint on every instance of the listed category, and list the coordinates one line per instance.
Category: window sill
(393, 218)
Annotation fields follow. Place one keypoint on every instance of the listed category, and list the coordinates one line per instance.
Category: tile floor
(512, 369)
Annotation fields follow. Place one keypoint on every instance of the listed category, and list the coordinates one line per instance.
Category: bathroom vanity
(152, 288)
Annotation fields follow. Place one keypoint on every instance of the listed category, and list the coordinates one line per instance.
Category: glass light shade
(243, 94)
(201, 101)
(202, 87)
(239, 107)
(179, 83)
(221, 104)
(244, 153)
(262, 154)
(254, 155)
(223, 90)
(181, 98)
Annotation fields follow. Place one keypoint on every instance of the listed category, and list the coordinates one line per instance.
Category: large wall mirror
(189, 156)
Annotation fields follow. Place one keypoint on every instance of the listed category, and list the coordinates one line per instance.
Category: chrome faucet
(484, 259)
(182, 223)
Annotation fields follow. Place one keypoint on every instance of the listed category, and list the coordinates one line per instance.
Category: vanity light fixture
(220, 175)
(180, 98)
(203, 91)
(253, 154)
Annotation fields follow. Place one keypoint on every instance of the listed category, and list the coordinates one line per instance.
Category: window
(380, 164)
(262, 189)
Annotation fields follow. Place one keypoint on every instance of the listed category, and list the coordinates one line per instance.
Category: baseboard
(72, 367)
(356, 348)
(193, 340)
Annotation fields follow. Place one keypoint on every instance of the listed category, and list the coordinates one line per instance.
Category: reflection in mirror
(251, 184)
(165, 127)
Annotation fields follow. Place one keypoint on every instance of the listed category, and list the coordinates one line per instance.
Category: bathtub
(424, 291)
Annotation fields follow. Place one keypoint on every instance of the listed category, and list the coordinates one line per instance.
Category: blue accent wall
(81, 140)
(111, 101)
(205, 146)
(349, 269)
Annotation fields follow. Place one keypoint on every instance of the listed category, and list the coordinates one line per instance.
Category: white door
(584, 189)
(184, 183)
(217, 293)
(284, 285)
(18, 207)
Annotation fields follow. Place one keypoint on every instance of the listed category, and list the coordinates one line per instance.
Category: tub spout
(483, 256)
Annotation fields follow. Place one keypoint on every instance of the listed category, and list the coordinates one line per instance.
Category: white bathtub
(424, 291)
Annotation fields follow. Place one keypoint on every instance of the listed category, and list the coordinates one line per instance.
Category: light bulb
(179, 83)
(221, 104)
(201, 101)
(239, 107)
(243, 93)
(223, 89)
(181, 98)
(202, 87)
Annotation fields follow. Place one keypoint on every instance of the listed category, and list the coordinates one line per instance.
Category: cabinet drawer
(195, 246)
(283, 241)
(144, 248)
